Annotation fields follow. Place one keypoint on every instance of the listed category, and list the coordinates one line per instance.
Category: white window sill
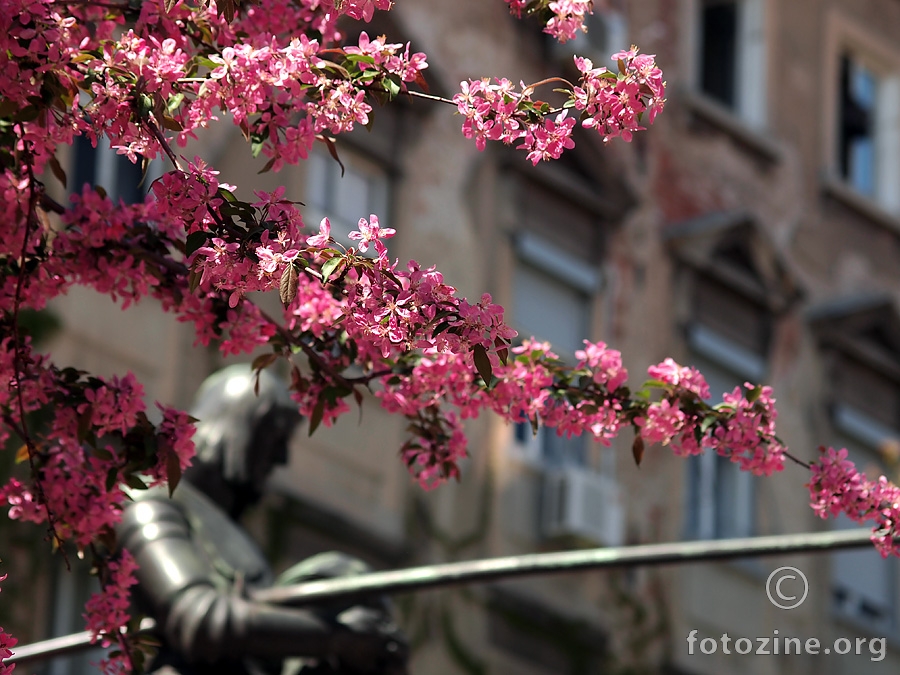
(865, 206)
(724, 119)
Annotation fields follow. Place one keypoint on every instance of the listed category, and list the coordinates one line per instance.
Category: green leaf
(194, 277)
(171, 123)
(330, 266)
(206, 62)
(227, 195)
(173, 470)
(194, 241)
(354, 59)
(483, 364)
(754, 393)
(135, 482)
(392, 86)
(175, 102)
(440, 328)
(102, 453)
(318, 412)
(263, 361)
(112, 476)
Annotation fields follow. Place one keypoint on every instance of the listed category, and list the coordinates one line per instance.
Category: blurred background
(753, 232)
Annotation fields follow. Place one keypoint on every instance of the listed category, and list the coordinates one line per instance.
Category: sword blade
(474, 571)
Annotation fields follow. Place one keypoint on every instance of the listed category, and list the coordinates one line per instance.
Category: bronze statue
(197, 565)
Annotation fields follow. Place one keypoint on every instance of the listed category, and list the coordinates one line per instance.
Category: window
(739, 285)
(364, 189)
(859, 91)
(859, 339)
(869, 129)
(115, 173)
(552, 297)
(718, 34)
(721, 499)
(731, 66)
(863, 583)
(72, 589)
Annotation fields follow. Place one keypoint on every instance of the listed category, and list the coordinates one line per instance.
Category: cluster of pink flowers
(837, 487)
(613, 104)
(357, 9)
(548, 140)
(741, 428)
(564, 18)
(568, 18)
(491, 111)
(689, 378)
(107, 612)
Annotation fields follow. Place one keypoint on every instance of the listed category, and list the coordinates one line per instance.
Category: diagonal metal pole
(474, 571)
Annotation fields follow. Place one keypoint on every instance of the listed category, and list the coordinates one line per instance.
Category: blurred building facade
(753, 231)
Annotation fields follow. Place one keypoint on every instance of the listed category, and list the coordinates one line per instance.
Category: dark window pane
(718, 34)
(130, 183)
(85, 164)
(856, 137)
(121, 178)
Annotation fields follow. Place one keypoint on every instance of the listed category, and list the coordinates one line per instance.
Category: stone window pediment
(733, 250)
(860, 339)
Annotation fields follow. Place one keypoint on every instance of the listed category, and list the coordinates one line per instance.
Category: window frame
(865, 435)
(354, 159)
(846, 37)
(751, 60)
(702, 510)
(539, 253)
(101, 162)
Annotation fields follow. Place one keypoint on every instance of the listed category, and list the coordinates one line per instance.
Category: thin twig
(163, 143)
(30, 220)
(430, 97)
(795, 460)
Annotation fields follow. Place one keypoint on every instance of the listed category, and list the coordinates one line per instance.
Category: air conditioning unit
(583, 503)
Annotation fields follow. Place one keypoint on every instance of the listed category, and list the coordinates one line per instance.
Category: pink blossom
(321, 240)
(369, 231)
(108, 610)
(663, 422)
(688, 378)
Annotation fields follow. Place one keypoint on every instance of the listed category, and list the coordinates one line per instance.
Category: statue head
(242, 433)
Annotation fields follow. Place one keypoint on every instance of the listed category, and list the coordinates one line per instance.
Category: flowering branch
(613, 104)
(74, 68)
